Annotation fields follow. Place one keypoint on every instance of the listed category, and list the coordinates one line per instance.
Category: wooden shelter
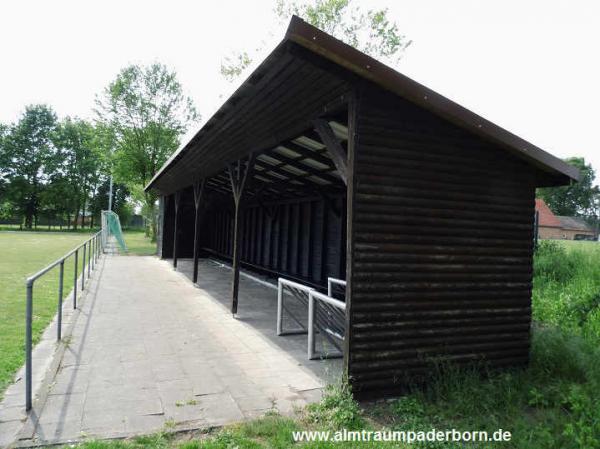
(326, 162)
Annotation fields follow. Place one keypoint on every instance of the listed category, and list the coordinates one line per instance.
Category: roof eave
(369, 68)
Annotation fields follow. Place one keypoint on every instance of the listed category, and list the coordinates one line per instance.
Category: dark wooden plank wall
(442, 229)
(304, 239)
(168, 222)
(185, 226)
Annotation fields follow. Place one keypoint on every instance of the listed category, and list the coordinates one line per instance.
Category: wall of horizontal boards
(441, 244)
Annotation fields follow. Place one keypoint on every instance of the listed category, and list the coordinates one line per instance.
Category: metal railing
(92, 248)
(331, 282)
(327, 319)
(300, 292)
(335, 311)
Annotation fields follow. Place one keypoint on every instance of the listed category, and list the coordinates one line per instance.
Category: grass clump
(566, 287)
(551, 404)
(337, 409)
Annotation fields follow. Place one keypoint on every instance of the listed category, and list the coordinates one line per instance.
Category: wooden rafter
(335, 149)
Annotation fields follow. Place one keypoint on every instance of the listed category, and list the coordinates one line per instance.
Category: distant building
(552, 226)
(576, 228)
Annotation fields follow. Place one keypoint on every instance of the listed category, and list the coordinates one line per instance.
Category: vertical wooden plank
(288, 241)
(175, 231)
(353, 137)
(324, 242)
(268, 238)
(162, 210)
(260, 228)
(343, 239)
(309, 240)
(276, 234)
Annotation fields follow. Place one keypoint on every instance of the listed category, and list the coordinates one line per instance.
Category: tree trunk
(29, 214)
(83, 210)
(76, 216)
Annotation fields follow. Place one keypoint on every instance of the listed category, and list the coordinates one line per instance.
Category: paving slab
(149, 348)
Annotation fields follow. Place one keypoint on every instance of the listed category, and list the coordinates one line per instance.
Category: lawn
(138, 244)
(24, 253)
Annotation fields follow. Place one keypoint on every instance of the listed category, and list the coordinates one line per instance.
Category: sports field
(24, 253)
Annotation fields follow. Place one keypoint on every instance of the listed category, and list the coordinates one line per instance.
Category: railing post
(28, 342)
(93, 252)
(83, 268)
(61, 275)
(75, 280)
(89, 261)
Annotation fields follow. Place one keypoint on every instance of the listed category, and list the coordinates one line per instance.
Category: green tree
(370, 30)
(5, 206)
(148, 112)
(55, 200)
(29, 158)
(580, 198)
(81, 163)
(120, 202)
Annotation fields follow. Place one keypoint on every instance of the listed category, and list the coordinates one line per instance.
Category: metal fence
(336, 287)
(326, 314)
(92, 249)
(300, 293)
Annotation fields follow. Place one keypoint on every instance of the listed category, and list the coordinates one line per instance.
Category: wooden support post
(176, 204)
(239, 176)
(198, 191)
(334, 148)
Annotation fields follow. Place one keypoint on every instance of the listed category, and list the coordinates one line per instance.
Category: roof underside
(310, 75)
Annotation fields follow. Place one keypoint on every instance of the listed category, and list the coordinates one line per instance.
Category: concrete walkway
(150, 350)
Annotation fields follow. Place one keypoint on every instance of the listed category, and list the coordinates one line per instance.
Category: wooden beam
(238, 182)
(198, 192)
(335, 149)
(176, 203)
(297, 163)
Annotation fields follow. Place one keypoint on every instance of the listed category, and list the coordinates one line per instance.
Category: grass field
(24, 253)
(138, 244)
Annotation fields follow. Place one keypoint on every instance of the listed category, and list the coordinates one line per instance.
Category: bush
(553, 262)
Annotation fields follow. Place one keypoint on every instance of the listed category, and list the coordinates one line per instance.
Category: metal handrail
(96, 247)
(331, 281)
(281, 282)
(314, 296)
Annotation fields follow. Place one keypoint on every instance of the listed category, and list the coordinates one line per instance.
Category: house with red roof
(552, 226)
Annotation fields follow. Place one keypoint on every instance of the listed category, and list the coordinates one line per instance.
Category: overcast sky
(530, 66)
